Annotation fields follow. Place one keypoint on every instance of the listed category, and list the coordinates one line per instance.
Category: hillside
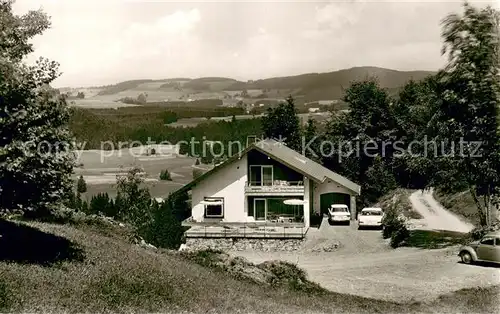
(94, 268)
(305, 87)
(318, 86)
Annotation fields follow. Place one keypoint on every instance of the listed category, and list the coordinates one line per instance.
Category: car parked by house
(485, 250)
(370, 217)
(339, 213)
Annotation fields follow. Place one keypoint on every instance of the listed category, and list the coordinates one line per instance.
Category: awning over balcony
(294, 202)
(208, 202)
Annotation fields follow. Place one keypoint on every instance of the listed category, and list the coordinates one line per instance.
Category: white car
(370, 217)
(339, 213)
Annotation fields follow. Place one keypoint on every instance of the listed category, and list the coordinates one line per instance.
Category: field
(304, 88)
(191, 122)
(93, 103)
(100, 169)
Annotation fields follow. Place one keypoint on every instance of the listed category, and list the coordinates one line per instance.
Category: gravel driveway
(364, 265)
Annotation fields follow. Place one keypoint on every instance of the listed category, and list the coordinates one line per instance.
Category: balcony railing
(276, 186)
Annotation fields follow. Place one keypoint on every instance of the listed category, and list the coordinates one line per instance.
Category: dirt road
(364, 265)
(435, 216)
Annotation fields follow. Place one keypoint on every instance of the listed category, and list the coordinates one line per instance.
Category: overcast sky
(106, 41)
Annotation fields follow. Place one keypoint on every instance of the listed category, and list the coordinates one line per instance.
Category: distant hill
(319, 86)
(308, 87)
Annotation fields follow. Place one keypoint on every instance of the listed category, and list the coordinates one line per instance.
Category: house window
(214, 207)
(261, 175)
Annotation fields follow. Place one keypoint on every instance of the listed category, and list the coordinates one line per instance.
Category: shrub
(74, 201)
(133, 201)
(84, 206)
(165, 175)
(164, 230)
(157, 224)
(81, 185)
(103, 204)
(399, 236)
(479, 232)
(394, 226)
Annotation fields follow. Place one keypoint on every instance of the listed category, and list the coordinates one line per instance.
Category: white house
(268, 183)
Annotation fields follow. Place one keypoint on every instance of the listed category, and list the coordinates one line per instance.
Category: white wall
(229, 183)
(307, 212)
(327, 187)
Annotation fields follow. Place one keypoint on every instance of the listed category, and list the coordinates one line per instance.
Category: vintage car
(485, 250)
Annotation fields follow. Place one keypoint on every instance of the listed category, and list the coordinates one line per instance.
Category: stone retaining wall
(243, 244)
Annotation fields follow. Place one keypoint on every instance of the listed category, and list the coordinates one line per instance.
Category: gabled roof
(290, 158)
(304, 165)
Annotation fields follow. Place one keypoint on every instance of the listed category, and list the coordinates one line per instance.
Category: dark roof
(290, 158)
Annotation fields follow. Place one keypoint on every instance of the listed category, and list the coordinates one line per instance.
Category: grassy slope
(118, 276)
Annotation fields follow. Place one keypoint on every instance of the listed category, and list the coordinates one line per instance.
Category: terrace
(259, 230)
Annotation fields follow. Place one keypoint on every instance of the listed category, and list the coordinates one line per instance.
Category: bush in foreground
(277, 274)
(394, 226)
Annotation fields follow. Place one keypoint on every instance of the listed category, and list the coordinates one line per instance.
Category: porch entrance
(274, 209)
(260, 208)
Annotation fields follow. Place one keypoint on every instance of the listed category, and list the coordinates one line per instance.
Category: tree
(282, 123)
(164, 230)
(81, 185)
(132, 200)
(142, 98)
(102, 204)
(36, 159)
(468, 109)
(311, 139)
(361, 135)
(416, 105)
(80, 95)
(379, 181)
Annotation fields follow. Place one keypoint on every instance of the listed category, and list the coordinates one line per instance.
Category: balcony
(276, 187)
